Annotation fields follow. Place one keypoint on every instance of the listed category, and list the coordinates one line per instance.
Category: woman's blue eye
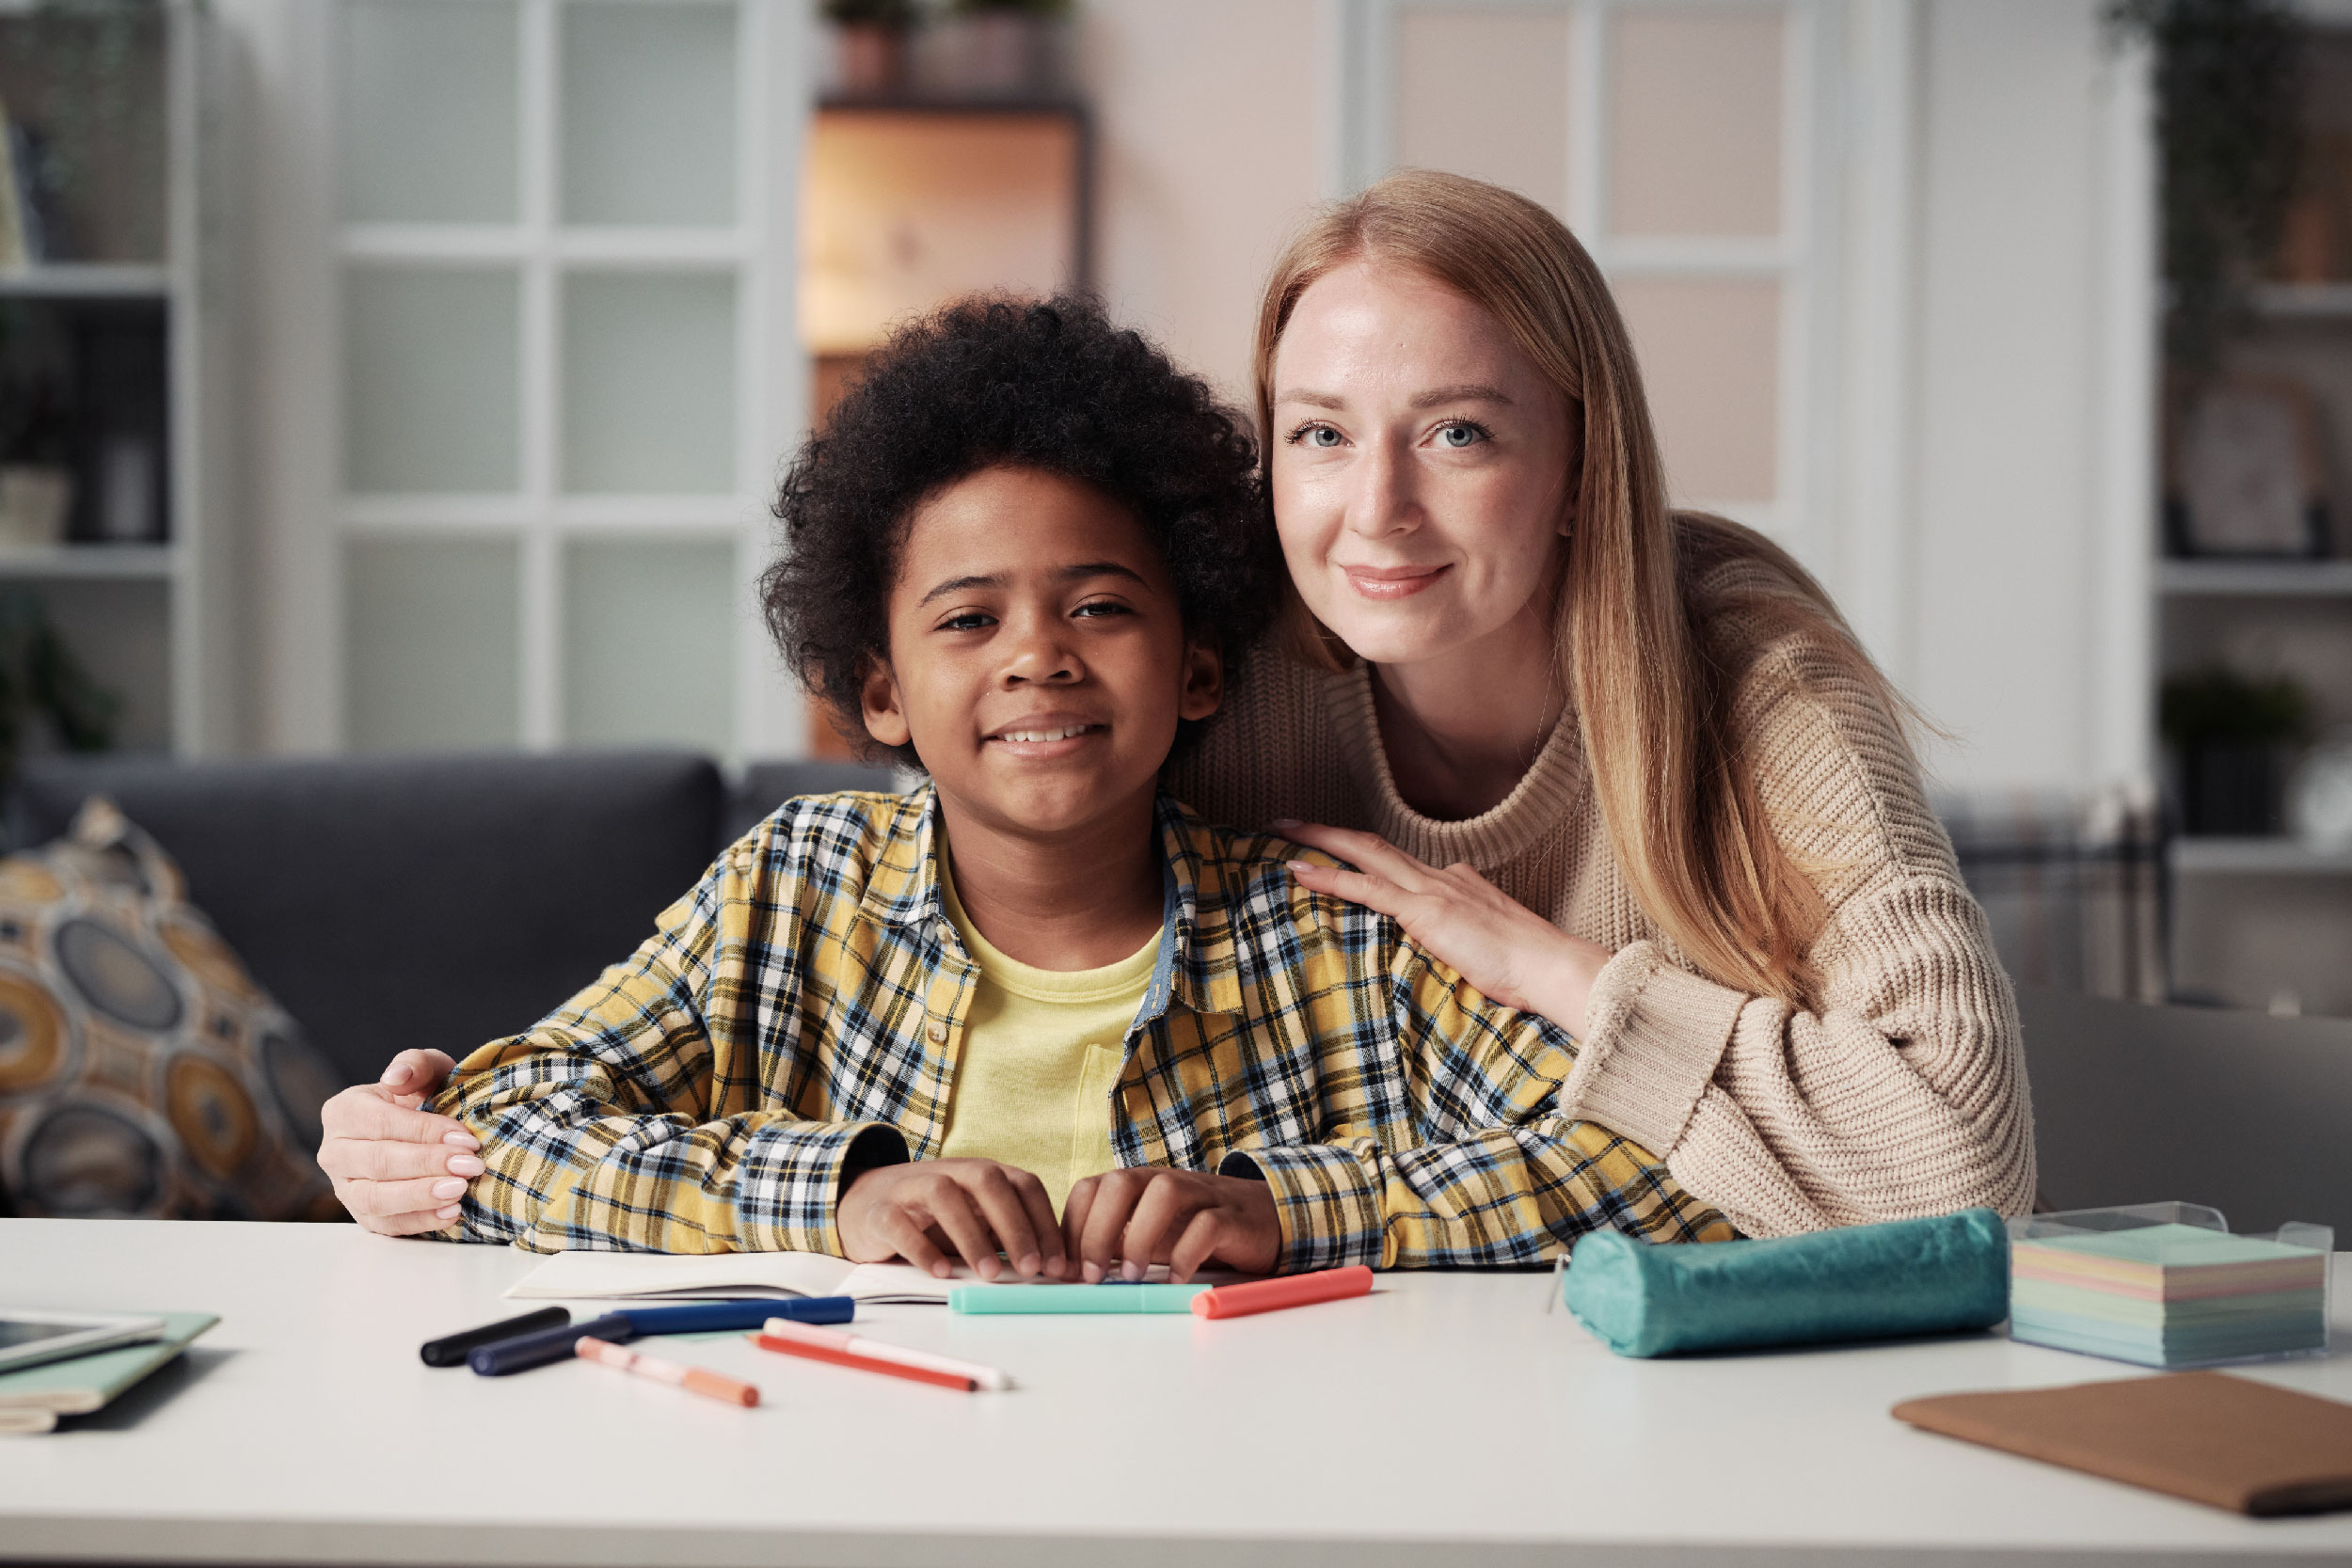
(1315, 436)
(1460, 435)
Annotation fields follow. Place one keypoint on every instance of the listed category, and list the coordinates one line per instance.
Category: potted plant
(1011, 48)
(871, 44)
(2231, 734)
(35, 482)
(47, 699)
(2230, 85)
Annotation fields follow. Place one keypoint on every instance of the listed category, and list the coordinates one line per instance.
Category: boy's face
(1039, 662)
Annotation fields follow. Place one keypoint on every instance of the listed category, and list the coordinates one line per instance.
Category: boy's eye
(1320, 435)
(1102, 606)
(971, 620)
(1459, 435)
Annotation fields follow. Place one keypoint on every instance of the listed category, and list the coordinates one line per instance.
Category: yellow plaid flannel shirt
(799, 1011)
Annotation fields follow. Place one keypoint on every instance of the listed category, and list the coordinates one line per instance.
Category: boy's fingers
(911, 1239)
(1159, 1217)
(952, 1211)
(1107, 1218)
(1041, 1221)
(1197, 1245)
(1073, 1217)
(1001, 1209)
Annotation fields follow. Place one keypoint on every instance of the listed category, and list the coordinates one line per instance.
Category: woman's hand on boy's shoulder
(934, 1211)
(1186, 1219)
(398, 1169)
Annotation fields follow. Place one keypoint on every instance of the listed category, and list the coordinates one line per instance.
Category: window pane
(429, 111)
(431, 379)
(1694, 120)
(1485, 93)
(432, 652)
(648, 104)
(649, 383)
(1709, 351)
(649, 630)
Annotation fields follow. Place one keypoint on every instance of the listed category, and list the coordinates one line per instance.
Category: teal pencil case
(1943, 1276)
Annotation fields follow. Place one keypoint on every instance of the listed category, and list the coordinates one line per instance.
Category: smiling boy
(1034, 1008)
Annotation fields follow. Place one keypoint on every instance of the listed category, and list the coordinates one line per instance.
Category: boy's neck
(1083, 897)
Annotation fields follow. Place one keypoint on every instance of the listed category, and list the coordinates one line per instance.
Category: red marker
(1272, 1295)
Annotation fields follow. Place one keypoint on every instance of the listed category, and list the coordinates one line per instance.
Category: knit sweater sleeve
(1903, 1092)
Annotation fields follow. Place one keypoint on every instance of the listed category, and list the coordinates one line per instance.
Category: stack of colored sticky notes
(2167, 1295)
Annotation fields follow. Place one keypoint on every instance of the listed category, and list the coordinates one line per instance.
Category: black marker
(451, 1352)
(524, 1352)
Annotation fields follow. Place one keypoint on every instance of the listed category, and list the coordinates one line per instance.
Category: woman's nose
(1385, 501)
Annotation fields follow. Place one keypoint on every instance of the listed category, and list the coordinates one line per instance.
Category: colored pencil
(1272, 1295)
(882, 1350)
(709, 1384)
(864, 1363)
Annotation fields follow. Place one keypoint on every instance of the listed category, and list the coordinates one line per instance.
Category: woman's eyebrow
(1321, 399)
(1468, 391)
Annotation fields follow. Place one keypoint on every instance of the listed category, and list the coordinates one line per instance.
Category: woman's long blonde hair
(1661, 615)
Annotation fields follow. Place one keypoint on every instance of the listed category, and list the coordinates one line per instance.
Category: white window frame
(773, 98)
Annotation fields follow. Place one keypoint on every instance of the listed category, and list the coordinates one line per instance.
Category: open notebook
(650, 1276)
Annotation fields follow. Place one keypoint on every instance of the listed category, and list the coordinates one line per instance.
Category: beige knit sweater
(1905, 1094)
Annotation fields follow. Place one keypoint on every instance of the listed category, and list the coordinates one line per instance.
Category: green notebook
(32, 1399)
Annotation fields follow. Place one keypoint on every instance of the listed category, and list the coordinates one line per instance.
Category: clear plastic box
(2171, 1299)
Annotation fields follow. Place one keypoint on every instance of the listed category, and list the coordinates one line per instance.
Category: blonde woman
(1621, 767)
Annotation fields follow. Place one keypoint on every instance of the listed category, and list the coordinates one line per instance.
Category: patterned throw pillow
(142, 1071)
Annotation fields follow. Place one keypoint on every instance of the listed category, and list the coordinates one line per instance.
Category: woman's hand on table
(1494, 942)
(398, 1169)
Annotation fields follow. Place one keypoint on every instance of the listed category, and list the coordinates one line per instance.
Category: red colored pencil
(862, 1363)
(1272, 1295)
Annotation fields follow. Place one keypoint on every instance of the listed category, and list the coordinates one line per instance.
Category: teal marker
(1109, 1296)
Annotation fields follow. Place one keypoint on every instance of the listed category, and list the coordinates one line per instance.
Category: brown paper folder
(2228, 1441)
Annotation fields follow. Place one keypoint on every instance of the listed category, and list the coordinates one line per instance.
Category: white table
(1445, 1420)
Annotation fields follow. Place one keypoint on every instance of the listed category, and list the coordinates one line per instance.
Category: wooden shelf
(87, 280)
(2254, 578)
(83, 562)
(2257, 856)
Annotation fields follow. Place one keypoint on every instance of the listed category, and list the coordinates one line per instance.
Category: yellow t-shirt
(1042, 1049)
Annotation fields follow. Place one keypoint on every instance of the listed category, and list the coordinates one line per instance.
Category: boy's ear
(879, 706)
(1204, 681)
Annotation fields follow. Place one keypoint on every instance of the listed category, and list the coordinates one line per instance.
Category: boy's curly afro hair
(1049, 384)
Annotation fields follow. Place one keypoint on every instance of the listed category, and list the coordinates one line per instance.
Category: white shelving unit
(2255, 580)
(158, 623)
(2257, 856)
(2268, 921)
(567, 370)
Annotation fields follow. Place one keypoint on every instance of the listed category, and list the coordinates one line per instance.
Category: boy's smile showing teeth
(1045, 732)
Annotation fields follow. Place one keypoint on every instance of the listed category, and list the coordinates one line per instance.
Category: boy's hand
(933, 1211)
(1184, 1218)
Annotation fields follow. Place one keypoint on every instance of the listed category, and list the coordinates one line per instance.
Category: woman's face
(1422, 466)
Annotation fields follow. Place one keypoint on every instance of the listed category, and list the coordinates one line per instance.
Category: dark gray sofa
(428, 901)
